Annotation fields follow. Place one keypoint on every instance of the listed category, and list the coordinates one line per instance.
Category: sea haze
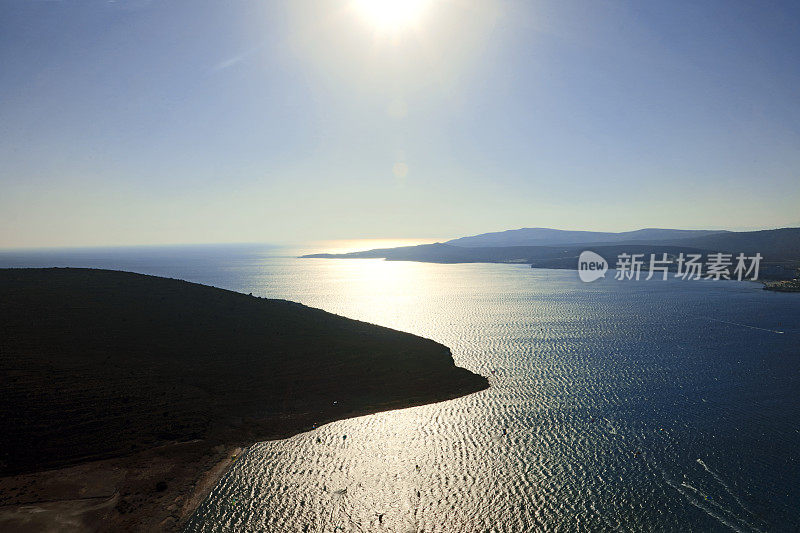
(630, 406)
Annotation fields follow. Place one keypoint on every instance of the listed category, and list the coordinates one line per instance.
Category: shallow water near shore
(629, 406)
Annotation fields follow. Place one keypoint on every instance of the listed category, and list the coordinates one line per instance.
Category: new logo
(591, 266)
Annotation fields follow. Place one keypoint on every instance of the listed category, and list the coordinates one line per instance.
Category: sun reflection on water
(344, 246)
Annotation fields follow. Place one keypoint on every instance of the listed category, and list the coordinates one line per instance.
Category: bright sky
(138, 122)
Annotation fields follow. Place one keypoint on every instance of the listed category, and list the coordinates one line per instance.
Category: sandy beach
(154, 490)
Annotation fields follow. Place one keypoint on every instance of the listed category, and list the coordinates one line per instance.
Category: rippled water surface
(649, 406)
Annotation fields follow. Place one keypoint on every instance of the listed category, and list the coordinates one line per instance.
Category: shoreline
(244, 449)
(208, 480)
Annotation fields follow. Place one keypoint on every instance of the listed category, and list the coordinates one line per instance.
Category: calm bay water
(614, 406)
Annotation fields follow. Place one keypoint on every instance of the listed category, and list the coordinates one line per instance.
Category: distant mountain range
(552, 248)
(558, 237)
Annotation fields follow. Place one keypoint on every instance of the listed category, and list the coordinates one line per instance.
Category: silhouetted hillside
(99, 363)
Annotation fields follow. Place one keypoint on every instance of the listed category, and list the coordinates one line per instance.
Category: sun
(391, 15)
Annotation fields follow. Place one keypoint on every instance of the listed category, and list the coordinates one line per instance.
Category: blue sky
(182, 122)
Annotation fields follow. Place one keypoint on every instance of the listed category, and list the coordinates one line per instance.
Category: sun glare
(391, 14)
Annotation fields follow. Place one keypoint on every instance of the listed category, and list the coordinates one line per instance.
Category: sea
(661, 405)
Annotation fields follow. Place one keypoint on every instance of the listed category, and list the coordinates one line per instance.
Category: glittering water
(649, 406)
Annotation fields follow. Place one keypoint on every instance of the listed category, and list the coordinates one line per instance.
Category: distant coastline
(149, 388)
(547, 248)
(782, 286)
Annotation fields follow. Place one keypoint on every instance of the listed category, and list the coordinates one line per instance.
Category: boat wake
(738, 517)
(740, 325)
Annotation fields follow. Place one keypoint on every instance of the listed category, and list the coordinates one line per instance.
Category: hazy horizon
(334, 245)
(163, 123)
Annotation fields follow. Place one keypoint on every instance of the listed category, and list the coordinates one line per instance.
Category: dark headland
(126, 396)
